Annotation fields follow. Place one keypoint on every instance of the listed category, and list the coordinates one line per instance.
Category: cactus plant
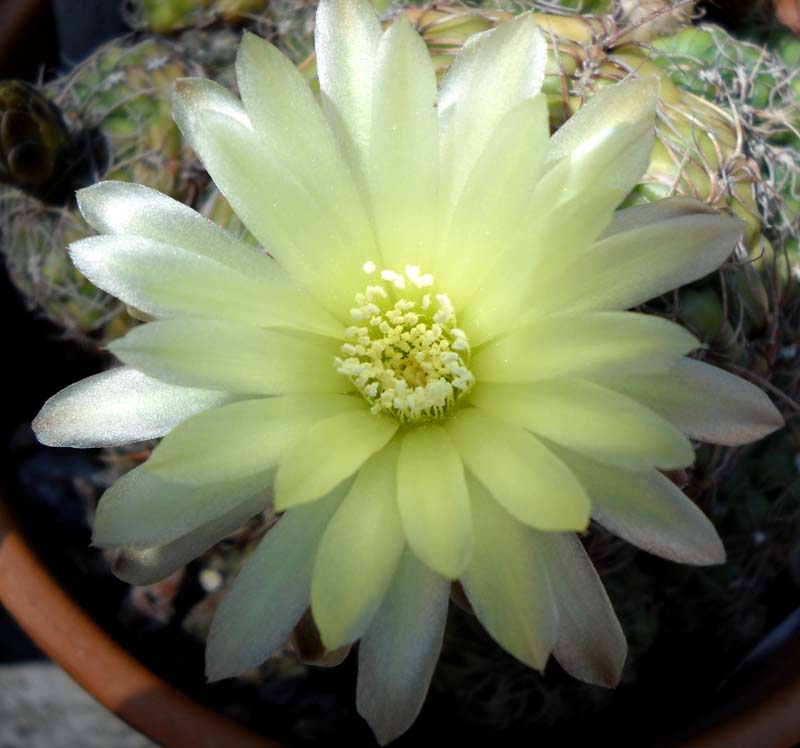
(117, 124)
(762, 88)
(168, 16)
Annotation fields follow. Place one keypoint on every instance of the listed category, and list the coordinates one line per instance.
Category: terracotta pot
(66, 634)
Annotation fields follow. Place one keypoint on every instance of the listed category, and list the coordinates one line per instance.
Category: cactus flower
(430, 369)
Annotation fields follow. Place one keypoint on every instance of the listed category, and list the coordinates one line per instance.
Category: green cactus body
(761, 87)
(124, 92)
(586, 6)
(35, 237)
(214, 49)
(170, 16)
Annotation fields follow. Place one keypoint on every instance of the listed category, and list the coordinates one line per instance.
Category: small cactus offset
(34, 141)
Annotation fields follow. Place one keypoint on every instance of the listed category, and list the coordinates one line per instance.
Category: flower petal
(118, 407)
(243, 438)
(271, 593)
(591, 644)
(608, 141)
(647, 509)
(403, 148)
(143, 566)
(574, 345)
(520, 472)
(358, 554)
(284, 112)
(398, 653)
(314, 467)
(705, 402)
(346, 38)
(231, 356)
(659, 252)
(590, 419)
(270, 199)
(508, 584)
(143, 510)
(598, 156)
(497, 191)
(595, 159)
(433, 500)
(163, 280)
(651, 214)
(126, 209)
(492, 74)
(511, 289)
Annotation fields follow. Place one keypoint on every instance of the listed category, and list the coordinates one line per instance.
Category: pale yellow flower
(432, 371)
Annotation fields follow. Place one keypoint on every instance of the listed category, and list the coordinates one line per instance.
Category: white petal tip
(333, 640)
(452, 569)
(250, 46)
(45, 430)
(609, 678)
(220, 664)
(712, 554)
(757, 421)
(771, 421)
(603, 669)
(214, 676)
(56, 426)
(386, 728)
(87, 198)
(217, 668)
(192, 97)
(128, 568)
(184, 86)
(182, 94)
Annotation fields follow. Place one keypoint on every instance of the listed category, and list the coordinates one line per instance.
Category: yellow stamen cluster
(405, 355)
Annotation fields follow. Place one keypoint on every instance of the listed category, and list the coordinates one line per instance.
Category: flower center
(404, 353)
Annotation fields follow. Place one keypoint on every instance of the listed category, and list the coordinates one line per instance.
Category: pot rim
(101, 666)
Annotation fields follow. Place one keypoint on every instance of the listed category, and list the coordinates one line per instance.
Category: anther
(407, 357)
